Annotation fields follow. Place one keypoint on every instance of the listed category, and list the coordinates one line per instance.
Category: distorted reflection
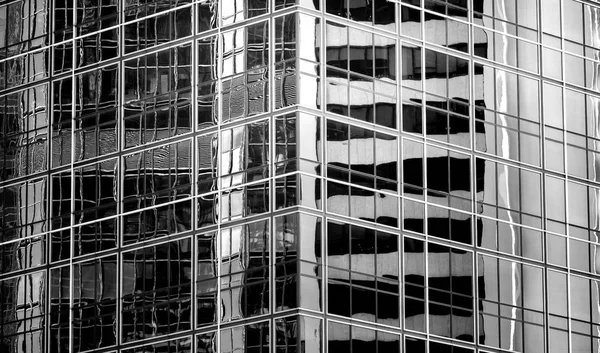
(361, 71)
(363, 273)
(62, 124)
(244, 282)
(253, 337)
(381, 14)
(155, 30)
(97, 113)
(157, 96)
(298, 333)
(362, 157)
(24, 132)
(450, 295)
(298, 261)
(95, 293)
(183, 345)
(245, 70)
(23, 315)
(207, 82)
(238, 10)
(24, 210)
(206, 279)
(156, 295)
(512, 312)
(346, 338)
(155, 177)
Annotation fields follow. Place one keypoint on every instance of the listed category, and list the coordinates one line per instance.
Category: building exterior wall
(299, 176)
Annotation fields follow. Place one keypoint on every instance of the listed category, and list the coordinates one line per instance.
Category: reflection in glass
(298, 334)
(360, 75)
(94, 303)
(255, 337)
(155, 177)
(206, 279)
(298, 261)
(96, 116)
(23, 315)
(183, 345)
(157, 96)
(244, 281)
(346, 338)
(450, 281)
(512, 313)
(363, 273)
(156, 293)
(24, 132)
(24, 209)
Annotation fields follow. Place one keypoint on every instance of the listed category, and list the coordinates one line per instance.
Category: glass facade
(285, 176)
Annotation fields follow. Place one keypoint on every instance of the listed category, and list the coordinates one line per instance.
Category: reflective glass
(450, 280)
(24, 209)
(363, 273)
(298, 261)
(182, 345)
(244, 282)
(237, 176)
(97, 113)
(61, 122)
(507, 304)
(157, 94)
(362, 87)
(159, 29)
(24, 132)
(95, 292)
(245, 71)
(248, 338)
(206, 279)
(298, 333)
(346, 338)
(24, 312)
(156, 177)
(156, 290)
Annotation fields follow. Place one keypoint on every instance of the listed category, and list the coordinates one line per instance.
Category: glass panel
(156, 290)
(157, 96)
(510, 307)
(206, 279)
(97, 113)
(95, 303)
(24, 209)
(364, 262)
(244, 282)
(24, 313)
(24, 132)
(248, 338)
(155, 177)
(182, 345)
(298, 333)
(414, 284)
(450, 280)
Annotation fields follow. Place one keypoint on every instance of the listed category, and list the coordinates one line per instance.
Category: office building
(299, 176)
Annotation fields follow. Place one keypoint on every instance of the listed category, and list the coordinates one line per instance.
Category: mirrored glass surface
(24, 132)
(24, 312)
(252, 337)
(95, 293)
(156, 290)
(244, 282)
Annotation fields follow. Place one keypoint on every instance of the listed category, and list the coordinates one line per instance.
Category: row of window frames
(361, 275)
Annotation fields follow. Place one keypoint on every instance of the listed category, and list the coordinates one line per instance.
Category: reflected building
(299, 176)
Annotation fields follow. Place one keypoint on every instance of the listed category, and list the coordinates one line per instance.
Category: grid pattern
(299, 176)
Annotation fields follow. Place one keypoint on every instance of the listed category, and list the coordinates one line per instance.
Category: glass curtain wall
(299, 176)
